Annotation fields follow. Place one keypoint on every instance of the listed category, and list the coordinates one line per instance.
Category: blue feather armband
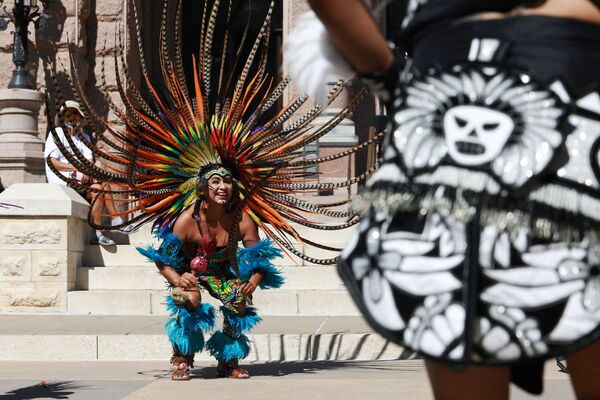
(258, 258)
(168, 253)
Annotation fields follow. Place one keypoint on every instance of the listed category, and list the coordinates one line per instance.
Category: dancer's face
(220, 188)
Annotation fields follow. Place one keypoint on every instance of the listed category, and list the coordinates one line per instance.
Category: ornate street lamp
(23, 12)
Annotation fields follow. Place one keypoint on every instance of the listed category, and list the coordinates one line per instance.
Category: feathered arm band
(258, 258)
(168, 253)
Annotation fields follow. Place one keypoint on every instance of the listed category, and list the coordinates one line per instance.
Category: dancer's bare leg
(232, 368)
(584, 369)
(471, 383)
(183, 363)
(194, 299)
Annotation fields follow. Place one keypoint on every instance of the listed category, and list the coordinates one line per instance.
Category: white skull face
(476, 135)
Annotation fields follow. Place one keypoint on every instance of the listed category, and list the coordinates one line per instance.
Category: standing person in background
(479, 245)
(70, 115)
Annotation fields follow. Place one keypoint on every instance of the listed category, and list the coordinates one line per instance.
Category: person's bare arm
(185, 280)
(61, 166)
(248, 231)
(355, 33)
(249, 234)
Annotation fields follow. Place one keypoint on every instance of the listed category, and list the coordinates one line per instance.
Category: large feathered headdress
(167, 137)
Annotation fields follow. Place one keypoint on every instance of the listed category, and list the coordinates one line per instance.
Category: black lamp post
(23, 12)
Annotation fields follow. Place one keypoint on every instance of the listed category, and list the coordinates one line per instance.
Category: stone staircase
(110, 306)
(117, 280)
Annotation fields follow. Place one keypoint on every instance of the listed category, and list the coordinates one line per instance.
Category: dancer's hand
(187, 281)
(248, 288)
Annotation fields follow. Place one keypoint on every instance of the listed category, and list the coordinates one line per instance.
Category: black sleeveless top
(421, 14)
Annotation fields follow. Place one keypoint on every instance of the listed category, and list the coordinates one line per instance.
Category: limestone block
(43, 200)
(49, 264)
(109, 7)
(277, 302)
(326, 302)
(116, 99)
(349, 346)
(111, 302)
(33, 297)
(74, 32)
(108, 41)
(54, 265)
(70, 7)
(106, 74)
(15, 265)
(79, 8)
(6, 43)
(114, 256)
(311, 278)
(78, 232)
(276, 347)
(48, 347)
(7, 66)
(21, 232)
(132, 347)
(82, 66)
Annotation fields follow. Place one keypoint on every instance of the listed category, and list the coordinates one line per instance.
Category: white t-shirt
(52, 150)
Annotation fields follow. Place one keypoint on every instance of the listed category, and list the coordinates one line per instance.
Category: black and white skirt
(480, 238)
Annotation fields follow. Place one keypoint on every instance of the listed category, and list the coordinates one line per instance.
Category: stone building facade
(43, 245)
(87, 28)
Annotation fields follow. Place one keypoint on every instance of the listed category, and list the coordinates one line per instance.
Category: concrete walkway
(312, 380)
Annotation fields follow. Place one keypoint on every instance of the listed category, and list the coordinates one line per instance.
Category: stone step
(124, 255)
(271, 302)
(137, 338)
(144, 237)
(148, 277)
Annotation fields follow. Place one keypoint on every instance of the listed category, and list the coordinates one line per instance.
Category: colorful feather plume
(163, 139)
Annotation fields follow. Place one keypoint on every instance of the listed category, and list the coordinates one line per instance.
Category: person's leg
(584, 369)
(232, 368)
(108, 200)
(471, 383)
(97, 203)
(230, 344)
(185, 331)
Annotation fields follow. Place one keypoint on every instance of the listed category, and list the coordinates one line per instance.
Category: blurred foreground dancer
(480, 240)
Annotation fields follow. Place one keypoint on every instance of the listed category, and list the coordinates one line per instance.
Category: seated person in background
(72, 112)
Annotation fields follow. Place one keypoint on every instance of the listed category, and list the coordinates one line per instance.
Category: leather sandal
(231, 370)
(181, 373)
(182, 366)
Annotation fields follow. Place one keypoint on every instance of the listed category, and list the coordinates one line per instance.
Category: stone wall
(40, 246)
(82, 25)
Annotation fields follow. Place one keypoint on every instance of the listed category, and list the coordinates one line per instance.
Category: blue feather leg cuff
(224, 348)
(185, 328)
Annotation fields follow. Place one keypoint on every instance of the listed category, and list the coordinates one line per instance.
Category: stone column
(21, 150)
(41, 246)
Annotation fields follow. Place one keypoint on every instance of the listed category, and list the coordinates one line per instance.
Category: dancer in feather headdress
(206, 166)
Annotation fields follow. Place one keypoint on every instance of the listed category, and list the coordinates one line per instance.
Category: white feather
(312, 59)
